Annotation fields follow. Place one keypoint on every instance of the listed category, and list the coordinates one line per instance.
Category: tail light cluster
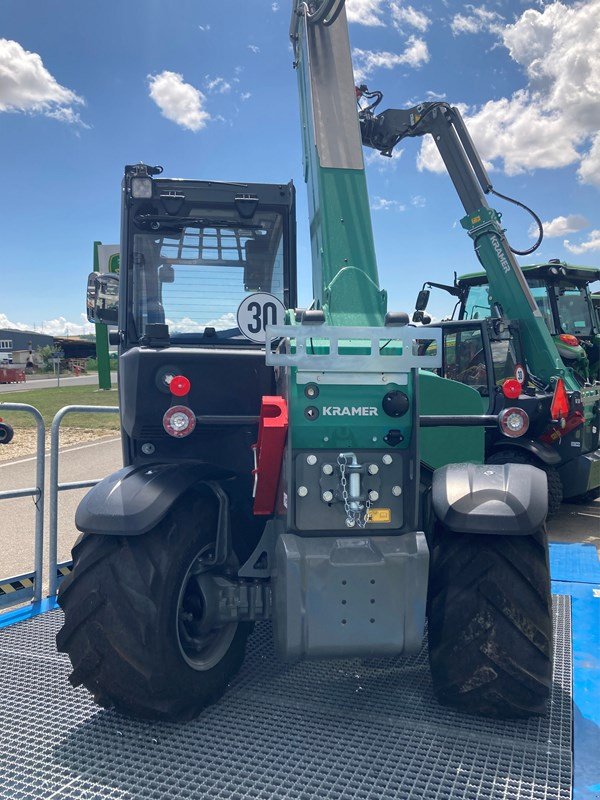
(179, 420)
(513, 422)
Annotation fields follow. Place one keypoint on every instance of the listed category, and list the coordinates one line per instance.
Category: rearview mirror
(422, 300)
(102, 300)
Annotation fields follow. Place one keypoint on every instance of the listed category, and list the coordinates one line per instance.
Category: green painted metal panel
(450, 445)
(348, 417)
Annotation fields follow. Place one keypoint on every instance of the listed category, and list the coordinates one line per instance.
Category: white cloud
(561, 226)
(178, 101)
(591, 243)
(254, 48)
(245, 95)
(59, 326)
(365, 12)
(27, 86)
(383, 204)
(204, 27)
(550, 122)
(218, 85)
(418, 201)
(366, 61)
(407, 15)
(274, 7)
(383, 163)
(476, 20)
(589, 166)
(188, 325)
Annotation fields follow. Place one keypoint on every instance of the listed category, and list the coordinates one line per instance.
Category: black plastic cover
(490, 498)
(133, 500)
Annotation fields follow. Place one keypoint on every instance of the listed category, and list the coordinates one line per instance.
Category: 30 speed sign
(257, 311)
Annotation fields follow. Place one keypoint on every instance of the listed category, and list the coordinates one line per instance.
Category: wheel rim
(201, 649)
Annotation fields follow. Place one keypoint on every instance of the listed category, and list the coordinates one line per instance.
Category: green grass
(49, 401)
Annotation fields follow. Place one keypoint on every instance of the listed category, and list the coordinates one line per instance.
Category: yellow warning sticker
(380, 515)
(475, 219)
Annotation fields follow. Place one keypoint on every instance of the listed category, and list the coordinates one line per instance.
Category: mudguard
(507, 499)
(532, 446)
(134, 499)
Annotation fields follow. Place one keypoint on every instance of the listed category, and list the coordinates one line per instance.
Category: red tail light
(179, 385)
(513, 422)
(511, 388)
(179, 421)
(569, 339)
(560, 405)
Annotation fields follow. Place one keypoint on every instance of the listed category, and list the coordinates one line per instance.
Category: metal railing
(56, 487)
(28, 586)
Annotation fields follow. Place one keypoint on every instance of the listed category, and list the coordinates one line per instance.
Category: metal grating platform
(351, 730)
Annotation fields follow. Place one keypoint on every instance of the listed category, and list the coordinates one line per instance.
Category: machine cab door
(482, 354)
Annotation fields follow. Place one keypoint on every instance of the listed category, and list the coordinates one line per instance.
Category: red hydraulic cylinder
(268, 453)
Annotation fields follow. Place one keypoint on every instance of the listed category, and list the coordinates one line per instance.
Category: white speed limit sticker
(257, 311)
(520, 373)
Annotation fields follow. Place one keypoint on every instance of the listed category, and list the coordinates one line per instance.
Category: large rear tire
(132, 618)
(516, 456)
(490, 623)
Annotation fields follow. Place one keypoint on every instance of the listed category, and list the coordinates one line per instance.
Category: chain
(353, 516)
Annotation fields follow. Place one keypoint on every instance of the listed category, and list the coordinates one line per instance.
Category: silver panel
(337, 132)
(305, 335)
(355, 729)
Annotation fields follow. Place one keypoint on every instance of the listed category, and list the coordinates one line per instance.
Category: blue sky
(207, 90)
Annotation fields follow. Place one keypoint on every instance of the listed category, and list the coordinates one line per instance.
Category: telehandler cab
(274, 455)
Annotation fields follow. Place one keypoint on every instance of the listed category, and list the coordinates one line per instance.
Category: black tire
(122, 628)
(490, 623)
(6, 433)
(516, 456)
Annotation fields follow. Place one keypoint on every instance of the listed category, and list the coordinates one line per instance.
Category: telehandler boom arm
(508, 286)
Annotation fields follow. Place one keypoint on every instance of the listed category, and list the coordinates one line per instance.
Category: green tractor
(304, 466)
(562, 293)
(567, 450)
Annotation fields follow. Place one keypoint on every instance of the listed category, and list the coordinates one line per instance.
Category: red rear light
(511, 388)
(569, 339)
(560, 405)
(513, 422)
(179, 385)
(179, 421)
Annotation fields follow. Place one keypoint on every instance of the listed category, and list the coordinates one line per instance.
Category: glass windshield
(193, 277)
(477, 305)
(478, 302)
(464, 358)
(574, 310)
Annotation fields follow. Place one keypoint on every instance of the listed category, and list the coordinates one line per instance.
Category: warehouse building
(17, 346)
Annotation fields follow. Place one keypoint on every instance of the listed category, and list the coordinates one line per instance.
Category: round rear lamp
(511, 388)
(179, 421)
(179, 385)
(513, 422)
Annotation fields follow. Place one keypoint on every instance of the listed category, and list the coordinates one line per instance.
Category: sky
(208, 91)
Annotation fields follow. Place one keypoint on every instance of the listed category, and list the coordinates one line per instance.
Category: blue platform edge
(575, 571)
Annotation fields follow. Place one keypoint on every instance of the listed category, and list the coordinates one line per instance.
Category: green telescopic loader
(311, 467)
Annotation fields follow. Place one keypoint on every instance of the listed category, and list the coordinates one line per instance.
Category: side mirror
(422, 300)
(102, 301)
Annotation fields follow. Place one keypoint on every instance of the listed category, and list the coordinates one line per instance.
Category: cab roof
(574, 272)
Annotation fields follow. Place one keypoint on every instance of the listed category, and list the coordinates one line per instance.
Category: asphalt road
(78, 463)
(50, 383)
(573, 523)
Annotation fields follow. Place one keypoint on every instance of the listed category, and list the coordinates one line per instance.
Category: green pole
(102, 357)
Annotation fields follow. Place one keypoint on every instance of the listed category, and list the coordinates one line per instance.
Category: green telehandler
(305, 466)
(511, 357)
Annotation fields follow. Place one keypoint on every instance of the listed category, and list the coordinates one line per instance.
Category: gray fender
(133, 500)
(490, 498)
(540, 450)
